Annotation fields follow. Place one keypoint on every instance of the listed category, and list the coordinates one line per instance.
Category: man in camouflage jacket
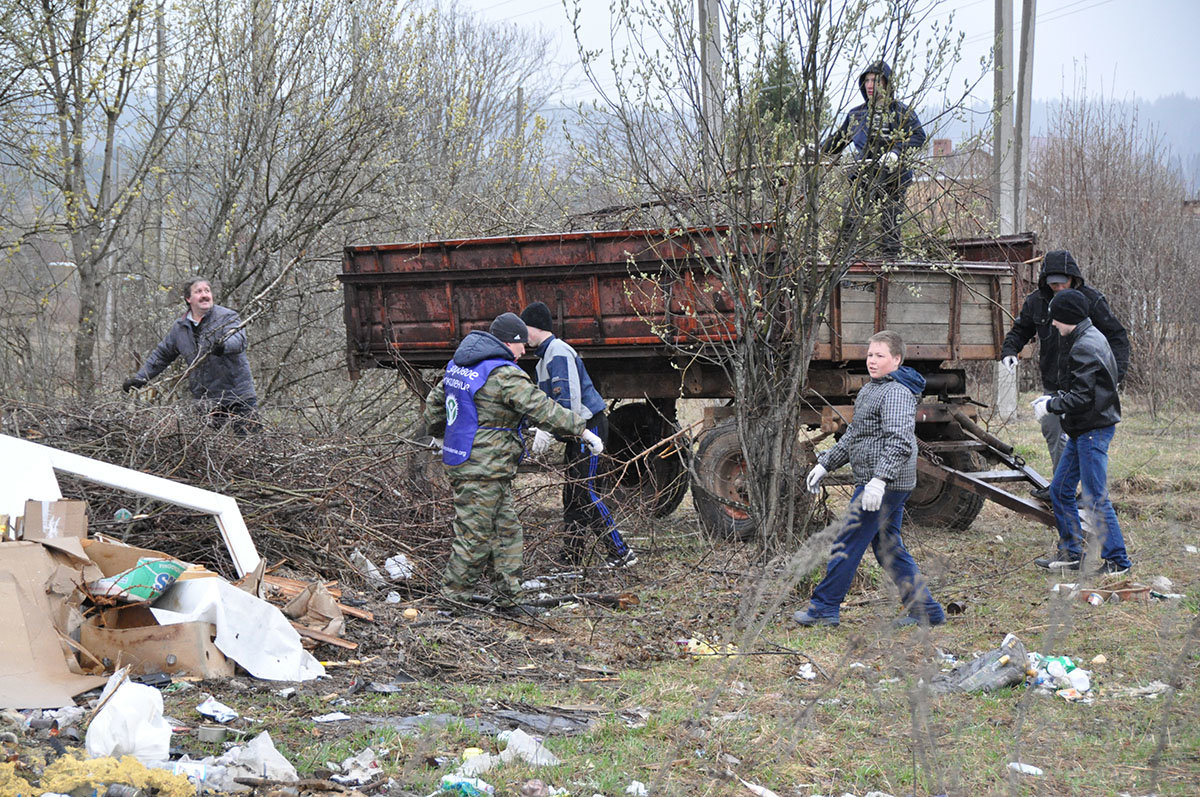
(483, 402)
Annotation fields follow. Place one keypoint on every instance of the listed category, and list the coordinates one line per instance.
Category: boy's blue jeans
(881, 530)
(1084, 461)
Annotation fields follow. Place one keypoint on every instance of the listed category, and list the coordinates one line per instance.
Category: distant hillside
(1176, 117)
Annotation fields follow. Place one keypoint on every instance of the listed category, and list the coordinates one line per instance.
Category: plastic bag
(1004, 666)
(129, 723)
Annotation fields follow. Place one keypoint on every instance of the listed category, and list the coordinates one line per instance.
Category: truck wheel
(720, 472)
(936, 504)
(654, 481)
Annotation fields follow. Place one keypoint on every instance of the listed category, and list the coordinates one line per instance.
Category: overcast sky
(1129, 48)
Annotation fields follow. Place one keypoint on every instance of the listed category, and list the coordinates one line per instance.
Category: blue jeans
(880, 529)
(1085, 459)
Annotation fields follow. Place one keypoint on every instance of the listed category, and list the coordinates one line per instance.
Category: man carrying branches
(210, 338)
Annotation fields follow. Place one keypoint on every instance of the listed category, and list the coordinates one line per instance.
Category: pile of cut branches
(310, 500)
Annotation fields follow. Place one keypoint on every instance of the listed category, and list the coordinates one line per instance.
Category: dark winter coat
(1034, 319)
(1088, 397)
(882, 439)
(880, 127)
(505, 400)
(221, 379)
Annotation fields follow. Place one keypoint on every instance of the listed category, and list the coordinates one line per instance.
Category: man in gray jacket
(881, 447)
(210, 339)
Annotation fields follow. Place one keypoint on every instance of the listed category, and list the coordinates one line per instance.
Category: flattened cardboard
(34, 670)
(52, 520)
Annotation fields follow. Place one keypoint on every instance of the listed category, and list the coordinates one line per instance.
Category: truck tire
(935, 504)
(656, 482)
(720, 468)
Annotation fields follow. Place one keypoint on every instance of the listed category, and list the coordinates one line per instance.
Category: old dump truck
(407, 306)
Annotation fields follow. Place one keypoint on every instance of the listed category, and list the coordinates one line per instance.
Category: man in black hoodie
(1059, 272)
(882, 130)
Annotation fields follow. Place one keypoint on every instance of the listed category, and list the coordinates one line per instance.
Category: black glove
(133, 383)
(218, 348)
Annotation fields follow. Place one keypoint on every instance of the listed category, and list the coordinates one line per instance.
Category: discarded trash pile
(310, 500)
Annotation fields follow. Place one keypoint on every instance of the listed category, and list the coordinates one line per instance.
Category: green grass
(865, 728)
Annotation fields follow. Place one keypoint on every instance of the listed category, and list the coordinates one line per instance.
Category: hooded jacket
(1088, 397)
(222, 379)
(505, 400)
(881, 441)
(879, 127)
(1034, 319)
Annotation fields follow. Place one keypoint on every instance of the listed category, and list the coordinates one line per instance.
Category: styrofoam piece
(33, 458)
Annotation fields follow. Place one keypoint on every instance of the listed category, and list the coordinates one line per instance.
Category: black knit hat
(1069, 307)
(510, 328)
(537, 315)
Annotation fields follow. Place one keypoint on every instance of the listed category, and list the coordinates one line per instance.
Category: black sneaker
(1110, 568)
(1059, 561)
(627, 559)
(1041, 493)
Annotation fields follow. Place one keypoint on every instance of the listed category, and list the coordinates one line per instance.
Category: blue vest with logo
(461, 383)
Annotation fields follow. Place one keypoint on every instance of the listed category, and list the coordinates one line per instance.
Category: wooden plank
(321, 636)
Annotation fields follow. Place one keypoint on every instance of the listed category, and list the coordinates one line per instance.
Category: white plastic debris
(130, 722)
(333, 716)
(393, 597)
(754, 788)
(1025, 769)
(1080, 679)
(523, 746)
(807, 672)
(258, 758)
(359, 769)
(216, 710)
(637, 789)
(398, 568)
(531, 584)
(1191, 549)
(367, 569)
(250, 631)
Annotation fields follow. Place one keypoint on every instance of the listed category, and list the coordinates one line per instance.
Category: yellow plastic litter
(69, 773)
(12, 785)
(698, 647)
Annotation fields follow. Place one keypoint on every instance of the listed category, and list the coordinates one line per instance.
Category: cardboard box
(182, 649)
(131, 635)
(52, 520)
(37, 665)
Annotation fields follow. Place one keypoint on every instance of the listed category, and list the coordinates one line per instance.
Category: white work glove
(872, 495)
(890, 159)
(1040, 410)
(542, 440)
(813, 482)
(1010, 362)
(592, 441)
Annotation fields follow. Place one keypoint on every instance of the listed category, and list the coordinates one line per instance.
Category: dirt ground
(619, 694)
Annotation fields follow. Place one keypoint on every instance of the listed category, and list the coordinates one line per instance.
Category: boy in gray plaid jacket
(881, 447)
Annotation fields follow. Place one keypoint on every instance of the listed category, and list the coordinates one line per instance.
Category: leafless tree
(729, 149)
(1102, 186)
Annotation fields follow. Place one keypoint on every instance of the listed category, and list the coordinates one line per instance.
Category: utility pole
(1002, 96)
(1002, 173)
(1024, 94)
(711, 78)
